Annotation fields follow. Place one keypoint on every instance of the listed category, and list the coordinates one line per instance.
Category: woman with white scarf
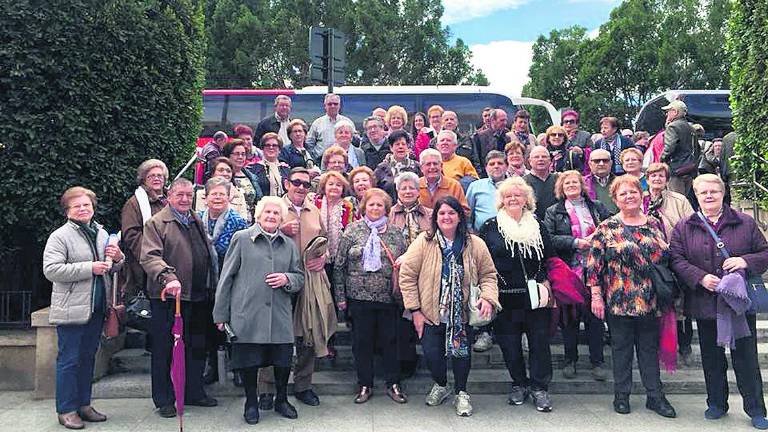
(362, 279)
(270, 172)
(519, 245)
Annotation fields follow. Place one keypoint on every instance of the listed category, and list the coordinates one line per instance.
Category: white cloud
(465, 10)
(592, 34)
(505, 63)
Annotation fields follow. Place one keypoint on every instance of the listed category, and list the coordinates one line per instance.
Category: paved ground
(18, 412)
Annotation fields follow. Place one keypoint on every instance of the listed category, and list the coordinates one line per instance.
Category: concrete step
(483, 381)
(138, 360)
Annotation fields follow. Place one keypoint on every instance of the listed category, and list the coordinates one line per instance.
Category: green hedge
(88, 90)
(748, 31)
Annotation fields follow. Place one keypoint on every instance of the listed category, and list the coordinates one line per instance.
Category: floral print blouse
(620, 263)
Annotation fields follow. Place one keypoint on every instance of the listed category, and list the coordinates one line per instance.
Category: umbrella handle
(178, 305)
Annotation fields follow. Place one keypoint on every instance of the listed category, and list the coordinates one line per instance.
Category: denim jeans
(74, 363)
(433, 344)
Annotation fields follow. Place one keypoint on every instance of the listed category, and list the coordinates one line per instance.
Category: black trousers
(684, 335)
(375, 330)
(196, 316)
(509, 327)
(745, 365)
(433, 344)
(595, 331)
(630, 334)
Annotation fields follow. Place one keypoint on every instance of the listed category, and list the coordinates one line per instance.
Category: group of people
(403, 233)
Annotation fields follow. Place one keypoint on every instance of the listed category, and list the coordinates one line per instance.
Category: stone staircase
(129, 372)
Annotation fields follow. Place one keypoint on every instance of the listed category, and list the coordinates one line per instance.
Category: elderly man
(374, 143)
(599, 180)
(576, 137)
(455, 166)
(493, 138)
(521, 128)
(277, 122)
(211, 151)
(179, 261)
(302, 224)
(681, 148)
(450, 121)
(321, 133)
(434, 184)
(542, 180)
(613, 142)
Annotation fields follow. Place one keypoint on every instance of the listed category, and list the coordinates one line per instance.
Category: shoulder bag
(396, 293)
(115, 318)
(539, 294)
(473, 303)
(756, 289)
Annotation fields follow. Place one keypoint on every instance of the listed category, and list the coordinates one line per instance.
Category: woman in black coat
(571, 222)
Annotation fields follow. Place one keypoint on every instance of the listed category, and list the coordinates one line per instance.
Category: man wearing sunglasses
(599, 181)
(302, 225)
(576, 137)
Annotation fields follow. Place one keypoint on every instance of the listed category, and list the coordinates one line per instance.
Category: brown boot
(71, 420)
(89, 414)
(363, 395)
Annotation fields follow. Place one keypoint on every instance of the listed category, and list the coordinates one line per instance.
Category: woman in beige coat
(435, 285)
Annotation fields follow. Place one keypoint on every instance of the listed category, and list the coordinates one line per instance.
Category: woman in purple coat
(697, 262)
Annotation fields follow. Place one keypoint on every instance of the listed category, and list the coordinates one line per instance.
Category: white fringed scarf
(524, 234)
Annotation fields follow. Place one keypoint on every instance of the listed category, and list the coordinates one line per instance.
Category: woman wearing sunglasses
(564, 157)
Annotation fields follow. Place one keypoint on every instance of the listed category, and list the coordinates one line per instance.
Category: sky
(501, 33)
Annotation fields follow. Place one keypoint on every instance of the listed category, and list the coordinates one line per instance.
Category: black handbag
(139, 312)
(664, 284)
(756, 289)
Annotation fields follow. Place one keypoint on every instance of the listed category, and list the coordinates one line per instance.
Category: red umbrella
(178, 366)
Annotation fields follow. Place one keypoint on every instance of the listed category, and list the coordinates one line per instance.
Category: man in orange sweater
(434, 184)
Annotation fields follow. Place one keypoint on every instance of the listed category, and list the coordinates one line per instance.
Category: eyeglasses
(298, 183)
(155, 176)
(332, 103)
(599, 161)
(569, 121)
(271, 146)
(558, 134)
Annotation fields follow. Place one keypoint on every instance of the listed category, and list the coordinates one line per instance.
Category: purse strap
(718, 241)
(522, 264)
(388, 252)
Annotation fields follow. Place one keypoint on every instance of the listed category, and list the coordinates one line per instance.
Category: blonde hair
(76, 192)
(271, 200)
(626, 179)
(627, 151)
(708, 178)
(506, 186)
(362, 169)
(327, 176)
(559, 194)
(332, 151)
(657, 167)
(435, 108)
(396, 109)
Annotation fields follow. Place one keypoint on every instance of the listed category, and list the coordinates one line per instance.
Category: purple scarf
(732, 303)
(372, 248)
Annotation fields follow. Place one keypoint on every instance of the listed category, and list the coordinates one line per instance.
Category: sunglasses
(271, 145)
(297, 183)
(558, 134)
(569, 121)
(599, 161)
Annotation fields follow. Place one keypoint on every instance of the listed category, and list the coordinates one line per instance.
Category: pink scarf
(585, 221)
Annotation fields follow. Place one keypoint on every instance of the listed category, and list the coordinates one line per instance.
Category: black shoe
(308, 397)
(661, 406)
(266, 401)
(211, 373)
(168, 411)
(238, 379)
(206, 401)
(251, 414)
(621, 405)
(285, 409)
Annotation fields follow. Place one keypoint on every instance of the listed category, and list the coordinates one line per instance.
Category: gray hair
(146, 167)
(376, 119)
(495, 112)
(219, 135)
(279, 98)
(271, 200)
(215, 182)
(406, 176)
(179, 182)
(330, 96)
(495, 154)
(428, 153)
(452, 134)
(344, 124)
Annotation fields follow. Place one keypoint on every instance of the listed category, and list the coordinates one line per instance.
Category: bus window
(307, 107)
(469, 107)
(213, 110)
(358, 107)
(246, 109)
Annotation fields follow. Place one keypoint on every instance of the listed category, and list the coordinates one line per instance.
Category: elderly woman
(243, 179)
(343, 133)
(362, 279)
(515, 151)
(632, 163)
(295, 154)
(147, 200)
(270, 172)
(396, 118)
(623, 251)
(435, 278)
(669, 208)
(79, 261)
(398, 161)
(335, 159)
(563, 157)
(361, 179)
(519, 245)
(700, 266)
(336, 213)
(570, 224)
(223, 167)
(261, 273)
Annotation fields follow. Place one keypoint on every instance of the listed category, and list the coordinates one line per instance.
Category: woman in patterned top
(335, 211)
(362, 279)
(243, 179)
(618, 270)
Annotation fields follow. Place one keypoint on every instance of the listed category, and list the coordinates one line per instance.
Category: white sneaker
(484, 342)
(462, 404)
(437, 395)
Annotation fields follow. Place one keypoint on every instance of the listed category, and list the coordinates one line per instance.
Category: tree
(89, 89)
(646, 47)
(749, 94)
(389, 42)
